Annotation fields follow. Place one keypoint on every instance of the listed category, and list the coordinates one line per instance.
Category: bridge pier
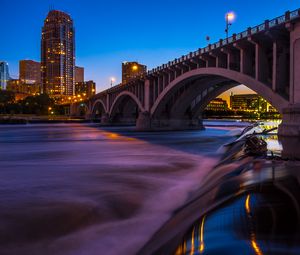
(289, 132)
(88, 116)
(146, 123)
(105, 119)
(177, 124)
(143, 123)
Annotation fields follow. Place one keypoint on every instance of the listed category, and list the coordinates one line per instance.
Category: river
(81, 189)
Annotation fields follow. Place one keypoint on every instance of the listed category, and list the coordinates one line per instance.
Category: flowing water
(79, 189)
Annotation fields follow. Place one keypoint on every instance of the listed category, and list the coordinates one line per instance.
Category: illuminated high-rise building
(58, 55)
(132, 69)
(4, 74)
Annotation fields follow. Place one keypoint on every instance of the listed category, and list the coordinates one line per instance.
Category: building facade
(132, 69)
(217, 104)
(28, 89)
(79, 74)
(4, 74)
(58, 55)
(250, 102)
(85, 89)
(30, 72)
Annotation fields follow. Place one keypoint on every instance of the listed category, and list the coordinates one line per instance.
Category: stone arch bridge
(265, 58)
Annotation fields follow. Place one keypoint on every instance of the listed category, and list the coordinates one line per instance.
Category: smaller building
(244, 102)
(79, 74)
(217, 104)
(19, 87)
(30, 72)
(4, 74)
(132, 69)
(85, 89)
(250, 102)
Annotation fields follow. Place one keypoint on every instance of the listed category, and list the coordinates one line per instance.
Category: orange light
(135, 68)
(247, 204)
(230, 16)
(201, 248)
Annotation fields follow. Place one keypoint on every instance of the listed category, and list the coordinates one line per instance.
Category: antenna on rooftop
(51, 7)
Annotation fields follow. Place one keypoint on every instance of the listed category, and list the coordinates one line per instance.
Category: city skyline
(102, 60)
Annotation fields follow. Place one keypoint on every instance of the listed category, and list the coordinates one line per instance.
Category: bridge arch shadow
(82, 110)
(186, 97)
(125, 109)
(98, 110)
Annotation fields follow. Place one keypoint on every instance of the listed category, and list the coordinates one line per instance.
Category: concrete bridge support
(146, 123)
(289, 130)
(290, 126)
(105, 119)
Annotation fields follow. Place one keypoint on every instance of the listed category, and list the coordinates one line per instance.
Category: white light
(230, 16)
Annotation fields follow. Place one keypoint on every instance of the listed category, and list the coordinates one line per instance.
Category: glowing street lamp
(112, 80)
(230, 16)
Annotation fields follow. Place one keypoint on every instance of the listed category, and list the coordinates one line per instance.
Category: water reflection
(254, 243)
(269, 224)
(195, 243)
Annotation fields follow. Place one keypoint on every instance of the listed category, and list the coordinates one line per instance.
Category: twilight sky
(109, 32)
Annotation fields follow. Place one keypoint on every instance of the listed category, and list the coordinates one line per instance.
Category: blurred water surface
(80, 189)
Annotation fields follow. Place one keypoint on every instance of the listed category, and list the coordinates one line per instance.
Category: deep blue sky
(111, 31)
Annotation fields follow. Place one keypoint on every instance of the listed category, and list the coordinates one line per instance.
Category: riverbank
(38, 119)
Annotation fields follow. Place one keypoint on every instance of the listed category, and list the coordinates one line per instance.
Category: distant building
(30, 72)
(79, 74)
(217, 104)
(4, 74)
(58, 55)
(132, 69)
(250, 102)
(17, 86)
(85, 89)
(244, 102)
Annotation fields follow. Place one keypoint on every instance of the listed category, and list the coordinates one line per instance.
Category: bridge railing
(288, 16)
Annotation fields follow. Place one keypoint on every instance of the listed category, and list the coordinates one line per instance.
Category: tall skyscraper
(132, 69)
(4, 74)
(58, 54)
(30, 72)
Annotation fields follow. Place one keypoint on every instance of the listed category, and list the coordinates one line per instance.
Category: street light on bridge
(112, 80)
(230, 16)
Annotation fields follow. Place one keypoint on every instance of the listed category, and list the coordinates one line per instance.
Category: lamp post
(229, 18)
(112, 80)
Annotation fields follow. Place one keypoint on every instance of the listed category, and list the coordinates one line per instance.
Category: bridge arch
(81, 110)
(214, 74)
(200, 97)
(127, 106)
(96, 110)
